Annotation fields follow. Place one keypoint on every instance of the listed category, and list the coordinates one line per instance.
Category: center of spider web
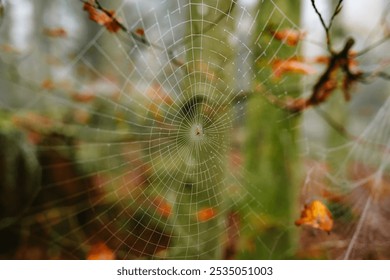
(196, 132)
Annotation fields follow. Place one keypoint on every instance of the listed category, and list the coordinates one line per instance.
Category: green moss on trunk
(272, 148)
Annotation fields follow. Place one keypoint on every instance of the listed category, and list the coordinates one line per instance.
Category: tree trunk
(272, 147)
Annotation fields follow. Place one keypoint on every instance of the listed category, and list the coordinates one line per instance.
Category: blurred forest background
(194, 129)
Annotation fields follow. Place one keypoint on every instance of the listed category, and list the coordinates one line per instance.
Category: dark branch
(383, 75)
(319, 15)
(325, 84)
(370, 77)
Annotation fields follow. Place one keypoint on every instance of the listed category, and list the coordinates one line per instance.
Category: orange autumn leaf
(33, 121)
(290, 37)
(83, 97)
(205, 214)
(7, 48)
(158, 95)
(52, 60)
(105, 18)
(321, 59)
(100, 251)
(140, 32)
(81, 116)
(316, 215)
(47, 84)
(352, 62)
(292, 65)
(156, 112)
(162, 207)
(55, 32)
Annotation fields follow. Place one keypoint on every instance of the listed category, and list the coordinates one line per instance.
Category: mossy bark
(272, 152)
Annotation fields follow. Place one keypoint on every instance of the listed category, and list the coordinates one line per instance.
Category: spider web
(141, 145)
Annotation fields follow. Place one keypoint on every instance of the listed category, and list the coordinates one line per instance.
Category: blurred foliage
(103, 156)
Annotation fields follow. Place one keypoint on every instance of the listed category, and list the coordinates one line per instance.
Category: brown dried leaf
(55, 32)
(162, 206)
(140, 32)
(47, 84)
(7, 48)
(292, 65)
(83, 97)
(290, 37)
(105, 18)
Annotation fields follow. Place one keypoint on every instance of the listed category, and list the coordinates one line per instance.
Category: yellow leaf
(316, 215)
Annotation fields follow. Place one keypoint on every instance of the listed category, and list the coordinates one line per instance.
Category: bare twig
(373, 46)
(336, 11)
(370, 77)
(319, 15)
(383, 75)
(349, 136)
(328, 27)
